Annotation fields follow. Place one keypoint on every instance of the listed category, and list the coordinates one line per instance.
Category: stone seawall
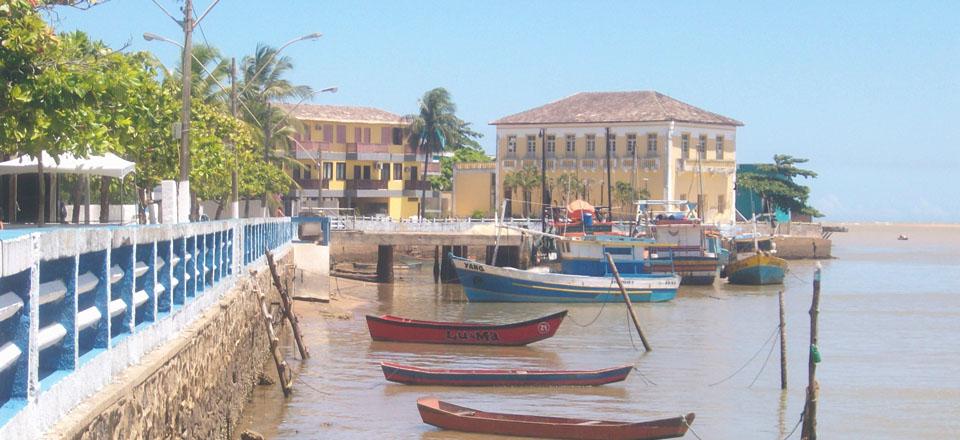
(194, 386)
(803, 247)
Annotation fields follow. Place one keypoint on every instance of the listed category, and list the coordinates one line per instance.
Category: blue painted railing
(70, 296)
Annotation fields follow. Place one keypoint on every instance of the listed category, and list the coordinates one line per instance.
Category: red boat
(423, 376)
(397, 329)
(449, 416)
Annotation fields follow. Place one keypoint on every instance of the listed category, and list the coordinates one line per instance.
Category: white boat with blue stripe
(486, 283)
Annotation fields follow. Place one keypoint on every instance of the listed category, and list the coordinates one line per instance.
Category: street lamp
(313, 36)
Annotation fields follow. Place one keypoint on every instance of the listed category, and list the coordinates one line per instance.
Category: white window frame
(685, 146)
(651, 143)
(631, 143)
(612, 142)
(511, 144)
(551, 143)
(571, 140)
(591, 143)
(719, 147)
(531, 144)
(702, 147)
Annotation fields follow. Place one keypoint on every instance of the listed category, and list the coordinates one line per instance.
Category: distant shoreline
(904, 224)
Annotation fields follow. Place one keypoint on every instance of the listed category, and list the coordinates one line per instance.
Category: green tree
(569, 187)
(436, 128)
(775, 186)
(525, 180)
(444, 182)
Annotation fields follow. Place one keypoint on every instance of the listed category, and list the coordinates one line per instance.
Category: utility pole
(544, 197)
(609, 181)
(187, 68)
(234, 179)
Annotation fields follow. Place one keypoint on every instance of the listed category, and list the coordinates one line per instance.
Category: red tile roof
(341, 113)
(600, 107)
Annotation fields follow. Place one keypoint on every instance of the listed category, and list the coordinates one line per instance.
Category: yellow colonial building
(357, 157)
(670, 148)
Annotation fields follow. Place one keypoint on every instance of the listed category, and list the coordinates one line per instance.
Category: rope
(797, 425)
(602, 306)
(774, 333)
(643, 377)
(685, 422)
(769, 353)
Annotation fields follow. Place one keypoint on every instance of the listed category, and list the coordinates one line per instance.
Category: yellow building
(672, 149)
(473, 191)
(357, 157)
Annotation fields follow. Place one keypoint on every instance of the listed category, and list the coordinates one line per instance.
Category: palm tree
(263, 86)
(430, 130)
(524, 179)
(570, 185)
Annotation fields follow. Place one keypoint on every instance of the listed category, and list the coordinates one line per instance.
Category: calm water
(890, 313)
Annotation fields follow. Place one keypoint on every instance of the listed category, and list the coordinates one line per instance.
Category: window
(398, 171)
(591, 143)
(531, 144)
(612, 142)
(307, 173)
(328, 132)
(341, 134)
(719, 147)
(341, 171)
(511, 144)
(385, 172)
(327, 170)
(702, 147)
(721, 203)
(357, 134)
(366, 172)
(367, 135)
(631, 143)
(296, 173)
(571, 143)
(397, 136)
(685, 146)
(551, 143)
(652, 143)
(413, 174)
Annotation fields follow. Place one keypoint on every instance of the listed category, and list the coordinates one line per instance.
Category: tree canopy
(775, 185)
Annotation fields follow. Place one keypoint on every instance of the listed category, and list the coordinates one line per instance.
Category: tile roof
(600, 107)
(341, 113)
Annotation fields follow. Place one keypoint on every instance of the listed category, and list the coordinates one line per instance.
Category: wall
(193, 387)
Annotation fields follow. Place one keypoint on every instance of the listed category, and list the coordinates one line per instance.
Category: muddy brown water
(890, 314)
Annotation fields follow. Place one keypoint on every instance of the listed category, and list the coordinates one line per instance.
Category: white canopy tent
(108, 165)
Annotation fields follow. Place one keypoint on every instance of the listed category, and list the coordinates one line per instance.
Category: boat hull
(396, 329)
(485, 283)
(423, 376)
(757, 270)
(458, 418)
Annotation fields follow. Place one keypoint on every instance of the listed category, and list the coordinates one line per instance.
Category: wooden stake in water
(626, 300)
(783, 346)
(809, 431)
(283, 372)
(287, 311)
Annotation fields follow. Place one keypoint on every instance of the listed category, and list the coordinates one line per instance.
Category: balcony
(366, 184)
(433, 168)
(365, 148)
(722, 166)
(313, 183)
(416, 185)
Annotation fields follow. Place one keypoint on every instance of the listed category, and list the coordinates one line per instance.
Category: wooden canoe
(397, 329)
(425, 376)
(453, 417)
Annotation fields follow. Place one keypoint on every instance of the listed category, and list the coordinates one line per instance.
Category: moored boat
(458, 418)
(754, 263)
(399, 329)
(486, 283)
(411, 375)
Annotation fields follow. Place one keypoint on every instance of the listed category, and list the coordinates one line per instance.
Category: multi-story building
(669, 148)
(358, 157)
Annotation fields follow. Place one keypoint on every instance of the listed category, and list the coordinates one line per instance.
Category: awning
(109, 165)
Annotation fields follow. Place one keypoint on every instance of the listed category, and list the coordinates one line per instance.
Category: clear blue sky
(869, 91)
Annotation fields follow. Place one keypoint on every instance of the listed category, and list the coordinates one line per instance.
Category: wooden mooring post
(283, 371)
(626, 299)
(287, 302)
(783, 346)
(809, 431)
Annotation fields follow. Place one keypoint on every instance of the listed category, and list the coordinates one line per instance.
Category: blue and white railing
(79, 305)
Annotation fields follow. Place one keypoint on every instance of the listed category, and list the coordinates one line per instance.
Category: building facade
(671, 149)
(474, 189)
(359, 158)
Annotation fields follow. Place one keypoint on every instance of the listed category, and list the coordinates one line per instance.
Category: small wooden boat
(398, 329)
(424, 376)
(449, 416)
(757, 270)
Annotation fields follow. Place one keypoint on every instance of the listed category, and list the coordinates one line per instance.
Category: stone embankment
(195, 386)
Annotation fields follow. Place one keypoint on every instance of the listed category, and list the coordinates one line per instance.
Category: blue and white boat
(486, 283)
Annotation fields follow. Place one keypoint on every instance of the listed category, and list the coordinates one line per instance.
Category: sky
(868, 91)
